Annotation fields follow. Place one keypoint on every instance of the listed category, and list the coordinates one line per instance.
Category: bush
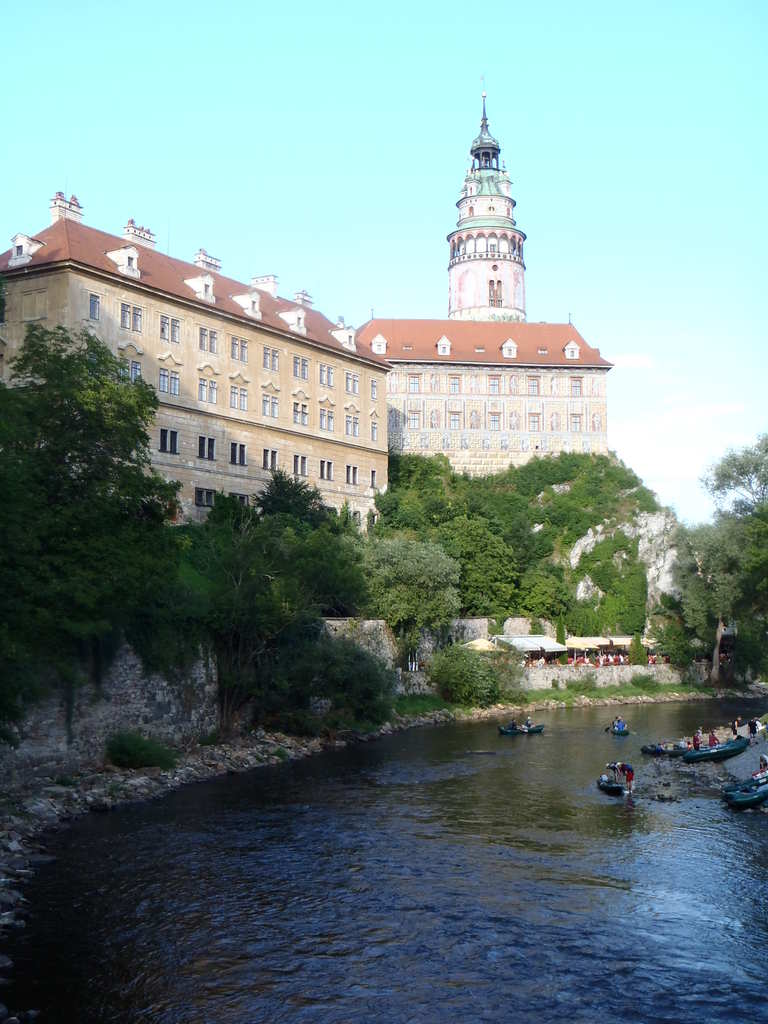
(586, 681)
(637, 655)
(131, 750)
(463, 677)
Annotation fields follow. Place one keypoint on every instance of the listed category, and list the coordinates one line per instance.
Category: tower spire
(484, 121)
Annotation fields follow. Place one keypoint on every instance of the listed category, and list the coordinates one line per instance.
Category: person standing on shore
(735, 726)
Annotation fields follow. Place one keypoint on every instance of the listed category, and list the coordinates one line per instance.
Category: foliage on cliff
(511, 533)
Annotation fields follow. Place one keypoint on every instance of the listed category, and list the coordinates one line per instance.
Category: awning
(533, 644)
(480, 644)
(587, 643)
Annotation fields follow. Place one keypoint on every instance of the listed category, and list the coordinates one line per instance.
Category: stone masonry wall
(607, 675)
(173, 712)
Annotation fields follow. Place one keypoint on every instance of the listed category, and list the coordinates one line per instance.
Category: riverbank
(32, 809)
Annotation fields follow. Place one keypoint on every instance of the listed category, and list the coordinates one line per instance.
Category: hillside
(577, 537)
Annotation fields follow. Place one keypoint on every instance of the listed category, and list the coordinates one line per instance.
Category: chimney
(65, 209)
(340, 322)
(303, 298)
(206, 262)
(142, 236)
(266, 283)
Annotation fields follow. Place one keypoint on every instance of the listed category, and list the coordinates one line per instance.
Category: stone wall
(558, 676)
(373, 635)
(170, 711)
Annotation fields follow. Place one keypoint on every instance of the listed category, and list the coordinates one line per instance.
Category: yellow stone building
(247, 381)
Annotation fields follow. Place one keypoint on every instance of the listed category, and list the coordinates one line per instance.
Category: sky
(327, 144)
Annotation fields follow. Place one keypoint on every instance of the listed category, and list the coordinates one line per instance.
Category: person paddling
(713, 740)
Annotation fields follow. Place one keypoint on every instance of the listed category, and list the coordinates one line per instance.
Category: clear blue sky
(327, 143)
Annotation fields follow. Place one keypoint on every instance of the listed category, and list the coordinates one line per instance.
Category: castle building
(484, 387)
(247, 381)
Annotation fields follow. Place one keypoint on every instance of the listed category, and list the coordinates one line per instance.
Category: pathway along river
(446, 874)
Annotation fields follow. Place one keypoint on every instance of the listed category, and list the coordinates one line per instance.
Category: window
(326, 375)
(174, 389)
(494, 421)
(269, 458)
(534, 422)
(271, 359)
(374, 430)
(326, 469)
(169, 441)
(136, 319)
(131, 262)
(203, 344)
(237, 454)
(454, 420)
(576, 424)
(352, 426)
(494, 385)
(576, 387)
(163, 384)
(213, 341)
(269, 406)
(352, 475)
(414, 384)
(374, 390)
(301, 368)
(300, 414)
(414, 420)
(242, 498)
(299, 465)
(352, 383)
(326, 419)
(373, 478)
(125, 316)
(203, 497)
(239, 349)
(454, 385)
(175, 330)
(212, 392)
(207, 390)
(135, 370)
(206, 447)
(94, 307)
(533, 385)
(165, 327)
(233, 392)
(243, 399)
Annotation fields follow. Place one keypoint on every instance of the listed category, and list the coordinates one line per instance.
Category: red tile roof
(538, 344)
(69, 241)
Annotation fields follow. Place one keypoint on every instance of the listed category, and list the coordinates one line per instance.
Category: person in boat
(697, 737)
(763, 767)
(528, 723)
(713, 740)
(619, 725)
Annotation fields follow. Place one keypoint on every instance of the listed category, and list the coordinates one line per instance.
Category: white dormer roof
(509, 349)
(346, 336)
(126, 259)
(202, 287)
(572, 350)
(296, 319)
(444, 346)
(379, 345)
(23, 249)
(251, 303)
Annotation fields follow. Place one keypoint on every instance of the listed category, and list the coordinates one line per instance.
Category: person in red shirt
(713, 740)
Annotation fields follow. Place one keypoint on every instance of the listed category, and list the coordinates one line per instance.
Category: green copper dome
(485, 141)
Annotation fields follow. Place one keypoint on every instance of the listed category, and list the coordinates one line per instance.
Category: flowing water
(447, 874)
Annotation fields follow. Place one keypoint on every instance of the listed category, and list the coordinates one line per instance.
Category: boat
(515, 730)
(758, 779)
(747, 796)
(664, 749)
(620, 732)
(718, 753)
(609, 786)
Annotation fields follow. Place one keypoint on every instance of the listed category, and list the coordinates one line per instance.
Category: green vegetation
(420, 704)
(510, 534)
(131, 750)
(466, 678)
(637, 655)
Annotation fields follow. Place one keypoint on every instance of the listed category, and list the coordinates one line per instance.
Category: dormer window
(295, 318)
(542, 351)
(23, 249)
(509, 349)
(444, 346)
(479, 348)
(126, 260)
(251, 303)
(572, 350)
(379, 345)
(203, 287)
(345, 335)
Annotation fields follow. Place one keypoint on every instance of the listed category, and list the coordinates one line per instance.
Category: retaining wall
(558, 676)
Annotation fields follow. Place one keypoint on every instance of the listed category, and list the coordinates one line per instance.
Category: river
(439, 875)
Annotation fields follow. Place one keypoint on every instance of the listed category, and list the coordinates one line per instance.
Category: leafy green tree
(83, 518)
(740, 478)
(464, 677)
(287, 495)
(542, 595)
(637, 655)
(413, 586)
(488, 572)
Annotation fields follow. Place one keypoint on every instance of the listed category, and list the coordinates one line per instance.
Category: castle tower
(486, 272)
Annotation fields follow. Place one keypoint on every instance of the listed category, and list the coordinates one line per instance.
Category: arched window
(498, 293)
(471, 211)
(491, 294)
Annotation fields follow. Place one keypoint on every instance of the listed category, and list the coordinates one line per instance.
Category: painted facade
(247, 381)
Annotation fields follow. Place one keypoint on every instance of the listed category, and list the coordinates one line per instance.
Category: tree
(637, 655)
(413, 585)
(287, 495)
(560, 637)
(741, 478)
(83, 517)
(488, 572)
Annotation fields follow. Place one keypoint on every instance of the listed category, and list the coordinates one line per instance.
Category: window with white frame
(374, 430)
(300, 368)
(136, 318)
(203, 339)
(373, 478)
(494, 385)
(169, 441)
(326, 419)
(494, 421)
(239, 349)
(165, 327)
(94, 307)
(164, 381)
(534, 386)
(576, 387)
(135, 372)
(352, 383)
(233, 396)
(454, 420)
(213, 341)
(576, 423)
(326, 375)
(206, 447)
(352, 475)
(204, 497)
(237, 454)
(414, 384)
(454, 385)
(207, 390)
(326, 469)
(175, 330)
(299, 465)
(271, 359)
(300, 413)
(269, 458)
(534, 422)
(352, 426)
(269, 406)
(414, 420)
(243, 399)
(374, 390)
(174, 383)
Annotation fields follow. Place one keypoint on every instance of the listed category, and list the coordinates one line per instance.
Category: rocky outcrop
(586, 589)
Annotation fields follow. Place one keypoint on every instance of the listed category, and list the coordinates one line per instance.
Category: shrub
(637, 655)
(131, 750)
(587, 681)
(463, 677)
